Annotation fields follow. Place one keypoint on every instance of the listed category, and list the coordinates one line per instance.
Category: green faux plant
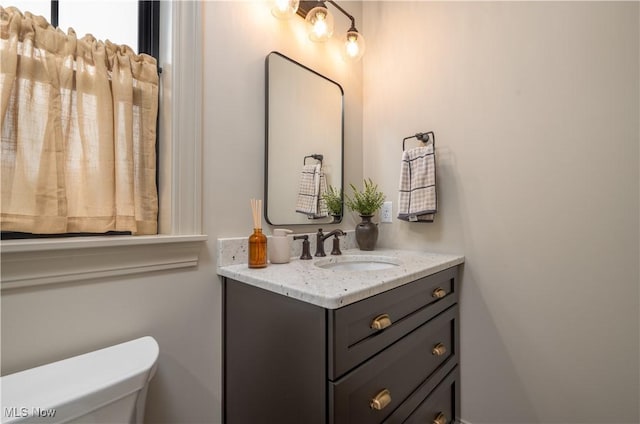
(333, 199)
(365, 202)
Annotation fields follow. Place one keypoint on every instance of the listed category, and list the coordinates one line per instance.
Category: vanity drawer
(440, 406)
(399, 370)
(352, 338)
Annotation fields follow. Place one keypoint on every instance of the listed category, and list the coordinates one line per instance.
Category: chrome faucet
(321, 237)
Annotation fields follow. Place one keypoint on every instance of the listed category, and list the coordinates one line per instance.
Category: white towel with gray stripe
(312, 186)
(417, 194)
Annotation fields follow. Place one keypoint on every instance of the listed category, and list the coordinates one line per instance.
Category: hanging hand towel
(417, 197)
(312, 185)
(323, 211)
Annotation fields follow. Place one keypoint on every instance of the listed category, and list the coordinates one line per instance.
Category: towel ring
(424, 137)
(314, 156)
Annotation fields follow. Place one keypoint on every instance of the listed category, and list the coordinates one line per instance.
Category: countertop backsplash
(233, 251)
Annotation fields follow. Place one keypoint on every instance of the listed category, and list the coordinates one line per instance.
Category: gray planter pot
(367, 233)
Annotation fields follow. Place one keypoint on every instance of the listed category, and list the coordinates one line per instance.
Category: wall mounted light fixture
(320, 23)
(284, 9)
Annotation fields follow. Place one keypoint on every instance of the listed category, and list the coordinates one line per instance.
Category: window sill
(35, 262)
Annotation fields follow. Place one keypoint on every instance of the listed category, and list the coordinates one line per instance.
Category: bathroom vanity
(310, 342)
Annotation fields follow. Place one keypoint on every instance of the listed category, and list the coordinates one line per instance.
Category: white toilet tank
(105, 386)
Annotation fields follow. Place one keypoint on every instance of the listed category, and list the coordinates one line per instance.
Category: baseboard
(461, 421)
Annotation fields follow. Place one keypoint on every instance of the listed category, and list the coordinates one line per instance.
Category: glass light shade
(354, 46)
(284, 9)
(320, 23)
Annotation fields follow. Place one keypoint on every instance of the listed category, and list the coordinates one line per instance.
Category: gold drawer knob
(381, 400)
(438, 293)
(440, 419)
(439, 349)
(381, 322)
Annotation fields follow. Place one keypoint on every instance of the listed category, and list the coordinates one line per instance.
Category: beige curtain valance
(78, 131)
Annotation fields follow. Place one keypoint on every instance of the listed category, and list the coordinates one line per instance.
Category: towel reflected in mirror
(313, 185)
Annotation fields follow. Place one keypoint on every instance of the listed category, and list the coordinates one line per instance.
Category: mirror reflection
(304, 143)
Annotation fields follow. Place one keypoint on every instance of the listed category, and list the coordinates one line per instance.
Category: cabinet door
(391, 376)
(274, 358)
(353, 337)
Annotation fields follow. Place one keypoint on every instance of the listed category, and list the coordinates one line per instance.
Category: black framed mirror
(304, 142)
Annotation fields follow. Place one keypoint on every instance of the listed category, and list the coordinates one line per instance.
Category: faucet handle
(336, 244)
(305, 247)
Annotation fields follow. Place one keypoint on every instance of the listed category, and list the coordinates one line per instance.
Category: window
(131, 22)
(37, 261)
(117, 24)
(134, 23)
(39, 8)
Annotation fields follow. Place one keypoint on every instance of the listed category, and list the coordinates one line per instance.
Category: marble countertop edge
(330, 289)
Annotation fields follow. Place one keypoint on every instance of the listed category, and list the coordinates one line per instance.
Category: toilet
(105, 386)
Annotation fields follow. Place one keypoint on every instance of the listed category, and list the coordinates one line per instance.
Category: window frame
(148, 27)
(32, 262)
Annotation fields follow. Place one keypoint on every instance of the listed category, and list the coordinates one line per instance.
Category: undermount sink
(357, 263)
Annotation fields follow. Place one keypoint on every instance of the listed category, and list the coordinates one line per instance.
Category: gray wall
(536, 111)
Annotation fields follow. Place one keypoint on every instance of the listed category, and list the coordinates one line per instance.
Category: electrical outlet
(386, 212)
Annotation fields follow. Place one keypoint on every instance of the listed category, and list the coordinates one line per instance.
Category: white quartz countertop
(332, 289)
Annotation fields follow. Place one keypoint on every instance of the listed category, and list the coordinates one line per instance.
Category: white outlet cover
(386, 212)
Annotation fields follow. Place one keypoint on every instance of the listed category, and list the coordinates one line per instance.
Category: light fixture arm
(353, 20)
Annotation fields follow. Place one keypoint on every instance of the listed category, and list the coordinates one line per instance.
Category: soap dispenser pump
(280, 246)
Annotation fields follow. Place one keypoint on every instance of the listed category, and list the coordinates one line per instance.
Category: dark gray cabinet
(392, 357)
